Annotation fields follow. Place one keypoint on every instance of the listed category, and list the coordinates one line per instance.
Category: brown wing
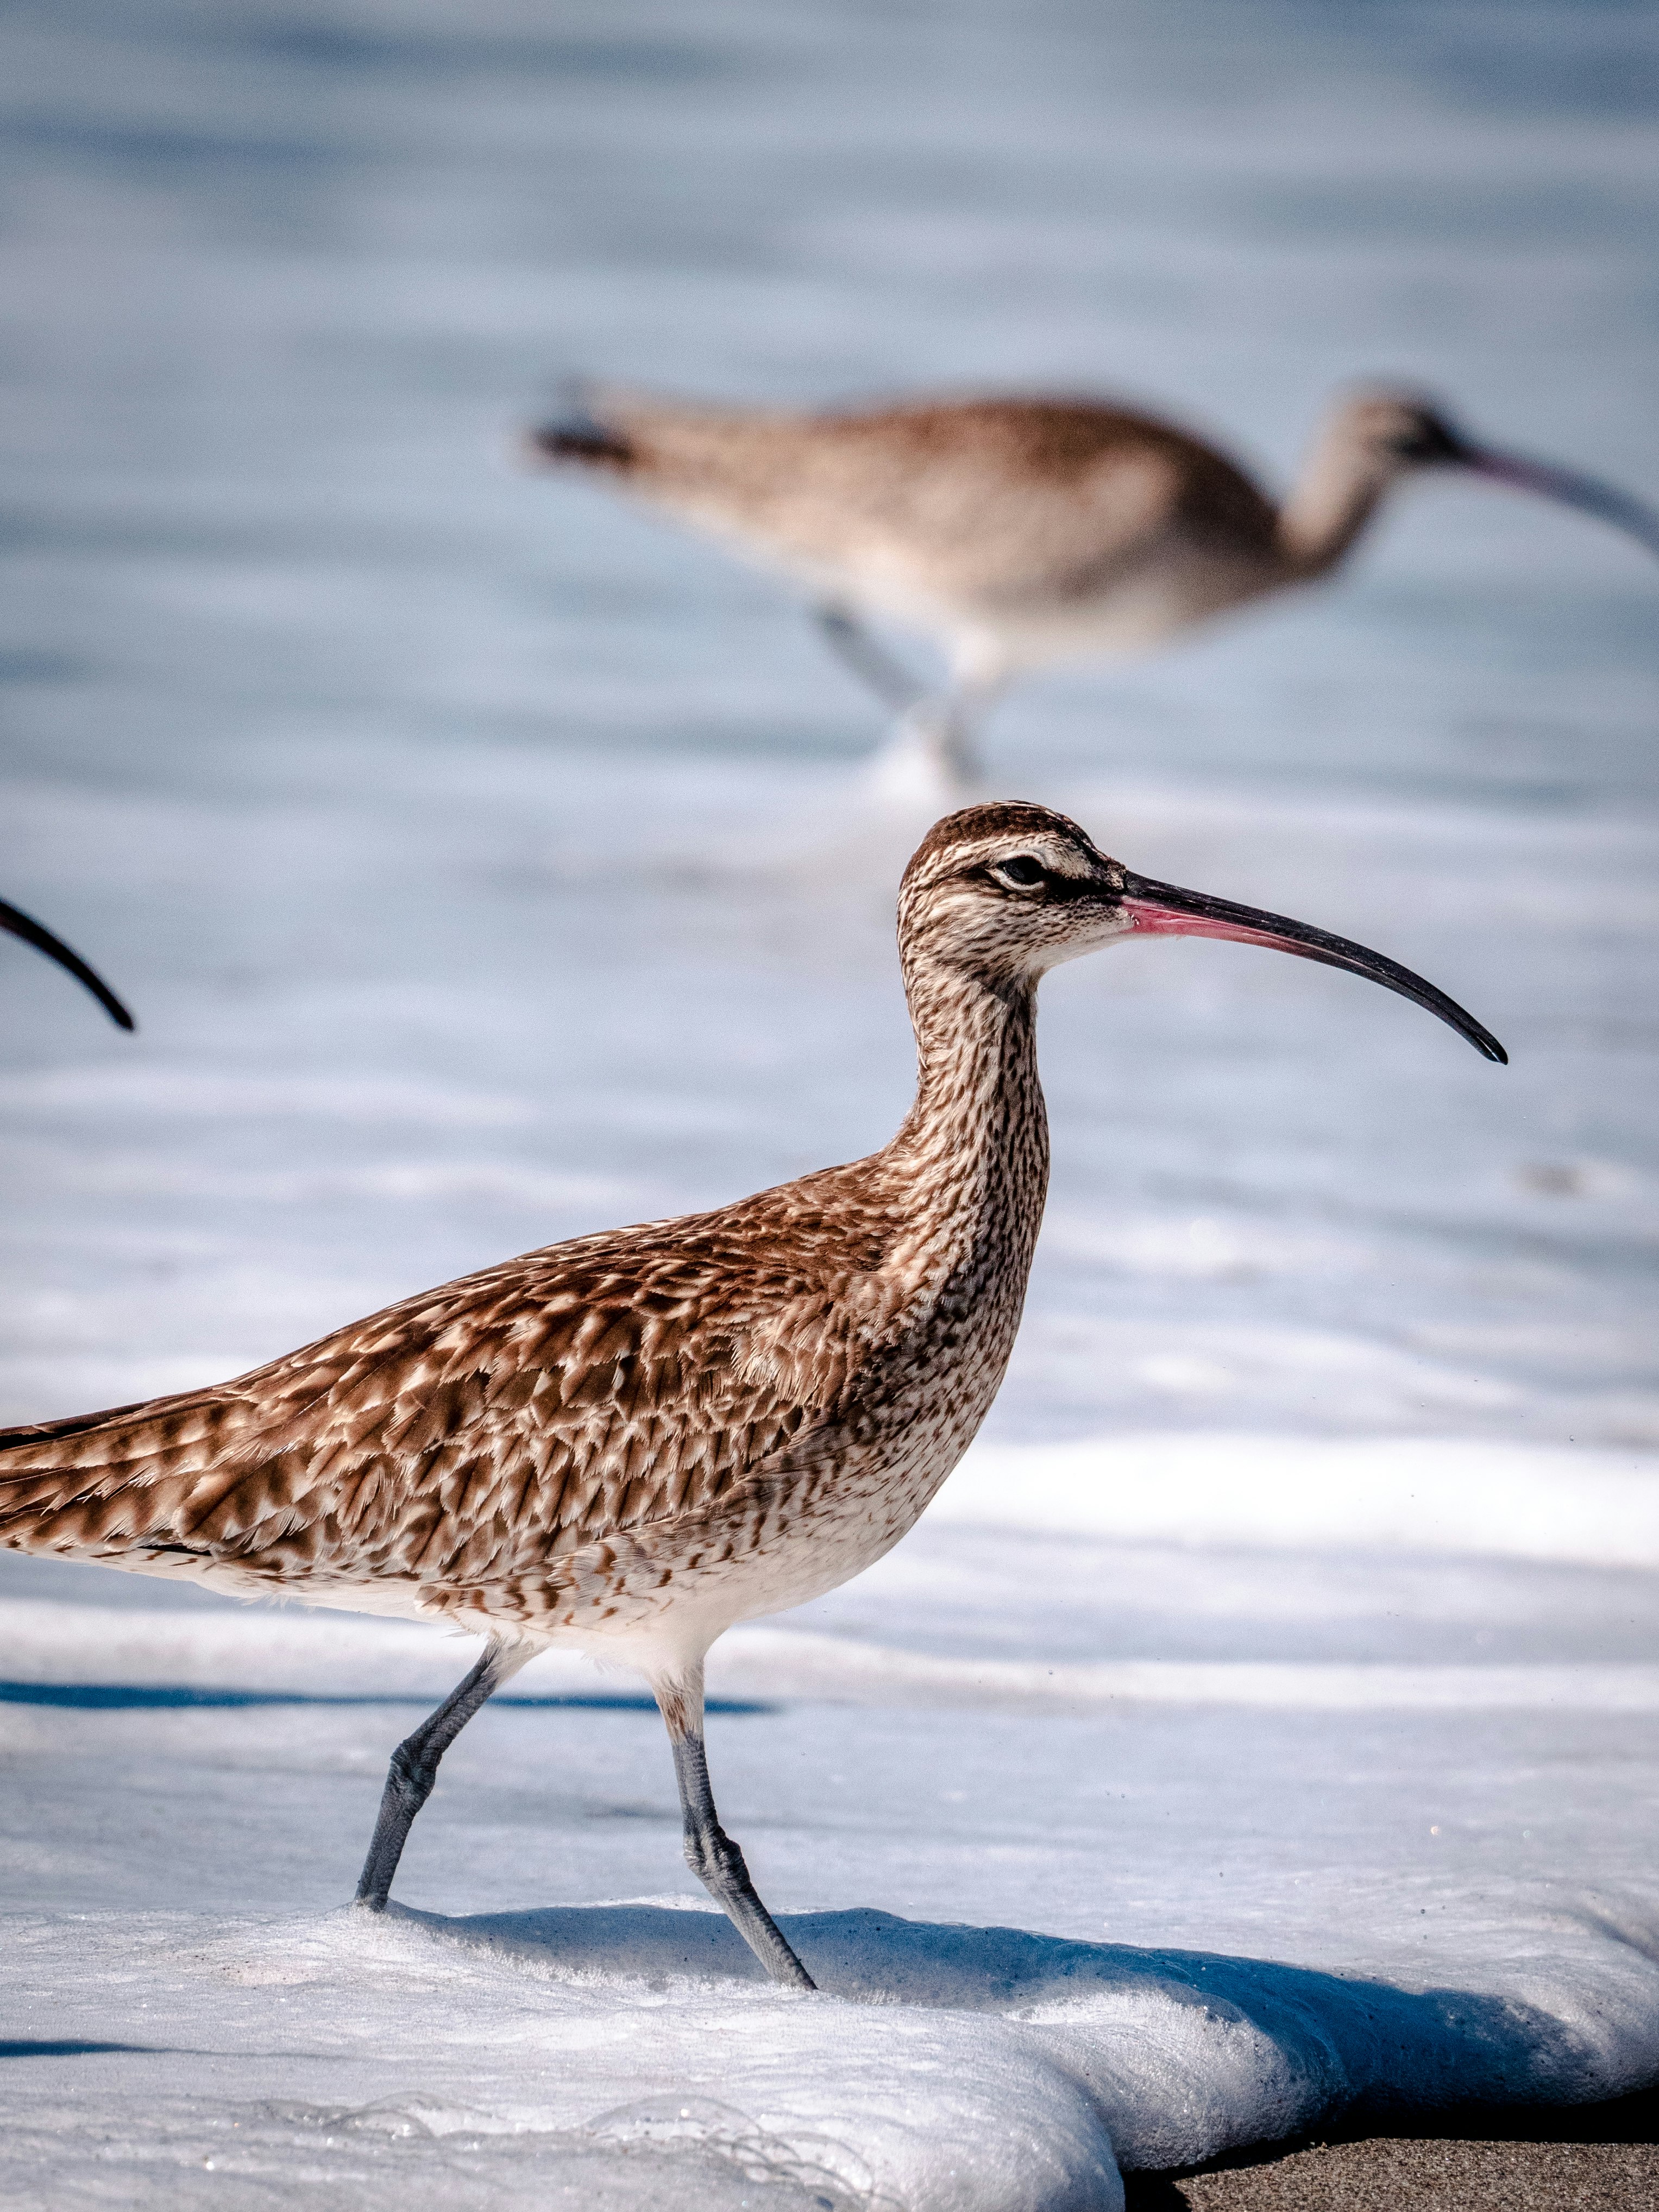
(468, 1436)
(988, 503)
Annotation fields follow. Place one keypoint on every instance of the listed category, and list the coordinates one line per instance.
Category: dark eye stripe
(1023, 869)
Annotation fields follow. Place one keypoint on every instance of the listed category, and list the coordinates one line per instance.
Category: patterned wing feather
(993, 502)
(467, 1436)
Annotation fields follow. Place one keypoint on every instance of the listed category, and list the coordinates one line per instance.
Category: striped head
(1000, 894)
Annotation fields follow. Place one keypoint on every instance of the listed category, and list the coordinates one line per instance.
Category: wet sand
(1589, 2158)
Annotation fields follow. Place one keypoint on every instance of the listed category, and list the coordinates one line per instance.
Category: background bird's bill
(1166, 910)
(18, 924)
(1568, 487)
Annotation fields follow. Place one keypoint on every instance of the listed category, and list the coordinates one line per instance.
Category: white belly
(1140, 610)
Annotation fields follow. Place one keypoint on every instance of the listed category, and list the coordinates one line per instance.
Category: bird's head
(1389, 434)
(1399, 431)
(1000, 894)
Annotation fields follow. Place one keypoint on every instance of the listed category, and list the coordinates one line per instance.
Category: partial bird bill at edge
(1166, 910)
(19, 924)
(1569, 489)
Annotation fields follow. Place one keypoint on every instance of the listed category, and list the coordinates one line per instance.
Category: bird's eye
(1023, 873)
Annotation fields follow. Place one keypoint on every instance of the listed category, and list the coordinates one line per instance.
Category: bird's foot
(926, 763)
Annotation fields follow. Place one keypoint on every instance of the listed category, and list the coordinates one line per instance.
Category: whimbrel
(19, 924)
(631, 1441)
(1019, 531)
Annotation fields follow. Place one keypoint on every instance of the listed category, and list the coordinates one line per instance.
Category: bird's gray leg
(415, 1766)
(944, 725)
(933, 750)
(709, 1851)
(848, 638)
(933, 754)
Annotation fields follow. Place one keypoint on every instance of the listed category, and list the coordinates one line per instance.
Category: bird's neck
(970, 1164)
(1336, 495)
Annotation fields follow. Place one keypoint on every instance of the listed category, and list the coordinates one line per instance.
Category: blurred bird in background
(1015, 532)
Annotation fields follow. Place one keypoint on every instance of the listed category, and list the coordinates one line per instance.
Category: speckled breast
(819, 1513)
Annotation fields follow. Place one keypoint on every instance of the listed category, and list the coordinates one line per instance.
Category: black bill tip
(1167, 911)
(1568, 487)
(17, 923)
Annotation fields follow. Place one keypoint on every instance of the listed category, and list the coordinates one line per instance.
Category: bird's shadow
(1375, 2055)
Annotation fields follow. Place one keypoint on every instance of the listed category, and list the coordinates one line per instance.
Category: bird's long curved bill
(18, 924)
(1166, 910)
(1588, 494)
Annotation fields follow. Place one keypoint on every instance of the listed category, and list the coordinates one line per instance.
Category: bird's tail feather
(91, 1483)
(577, 432)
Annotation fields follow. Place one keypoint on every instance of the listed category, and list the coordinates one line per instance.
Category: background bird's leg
(852, 644)
(979, 676)
(415, 1766)
(709, 1851)
(944, 727)
(932, 752)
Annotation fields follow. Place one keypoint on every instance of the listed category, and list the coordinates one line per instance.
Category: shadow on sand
(1521, 2129)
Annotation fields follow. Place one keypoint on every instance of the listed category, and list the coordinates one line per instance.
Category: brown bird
(1020, 532)
(19, 924)
(629, 1441)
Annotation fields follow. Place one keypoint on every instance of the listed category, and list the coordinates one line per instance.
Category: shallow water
(486, 862)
